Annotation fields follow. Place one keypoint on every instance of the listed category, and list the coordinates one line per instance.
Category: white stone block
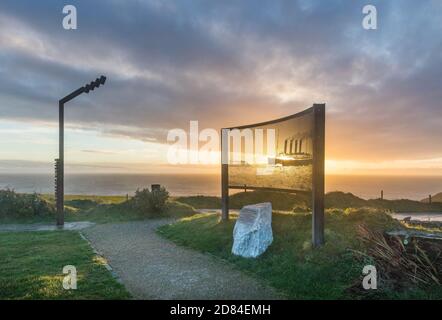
(253, 230)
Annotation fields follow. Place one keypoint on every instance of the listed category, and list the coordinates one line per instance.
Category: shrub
(146, 201)
(158, 200)
(14, 204)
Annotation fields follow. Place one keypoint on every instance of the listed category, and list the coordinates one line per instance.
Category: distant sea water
(395, 187)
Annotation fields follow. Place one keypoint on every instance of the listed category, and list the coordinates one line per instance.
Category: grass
(103, 209)
(98, 209)
(33, 219)
(32, 263)
(95, 198)
(288, 202)
(115, 213)
(279, 200)
(290, 264)
(201, 202)
(429, 227)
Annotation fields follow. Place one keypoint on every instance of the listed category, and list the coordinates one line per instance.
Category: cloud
(99, 151)
(226, 63)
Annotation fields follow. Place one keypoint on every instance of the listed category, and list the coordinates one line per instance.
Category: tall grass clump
(417, 262)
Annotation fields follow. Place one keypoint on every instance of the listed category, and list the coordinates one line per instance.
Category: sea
(367, 187)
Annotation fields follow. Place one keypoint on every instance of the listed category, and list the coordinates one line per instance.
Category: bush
(146, 201)
(14, 204)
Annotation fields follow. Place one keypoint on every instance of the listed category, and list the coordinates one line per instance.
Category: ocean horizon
(367, 187)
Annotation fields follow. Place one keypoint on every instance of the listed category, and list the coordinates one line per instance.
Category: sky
(222, 63)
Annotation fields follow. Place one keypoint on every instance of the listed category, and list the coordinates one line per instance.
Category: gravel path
(152, 267)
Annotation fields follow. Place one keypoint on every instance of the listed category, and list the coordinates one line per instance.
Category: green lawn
(100, 209)
(31, 265)
(290, 264)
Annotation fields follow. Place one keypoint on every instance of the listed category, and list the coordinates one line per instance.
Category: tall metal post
(318, 175)
(60, 177)
(60, 163)
(225, 174)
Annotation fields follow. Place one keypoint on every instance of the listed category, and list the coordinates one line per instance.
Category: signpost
(59, 164)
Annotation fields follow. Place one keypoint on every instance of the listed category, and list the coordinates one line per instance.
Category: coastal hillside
(434, 198)
(302, 202)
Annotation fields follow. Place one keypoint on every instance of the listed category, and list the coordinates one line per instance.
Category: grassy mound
(290, 264)
(93, 198)
(343, 200)
(35, 208)
(280, 200)
(201, 202)
(144, 204)
(123, 212)
(302, 202)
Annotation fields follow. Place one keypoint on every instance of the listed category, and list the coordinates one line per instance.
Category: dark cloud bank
(224, 63)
